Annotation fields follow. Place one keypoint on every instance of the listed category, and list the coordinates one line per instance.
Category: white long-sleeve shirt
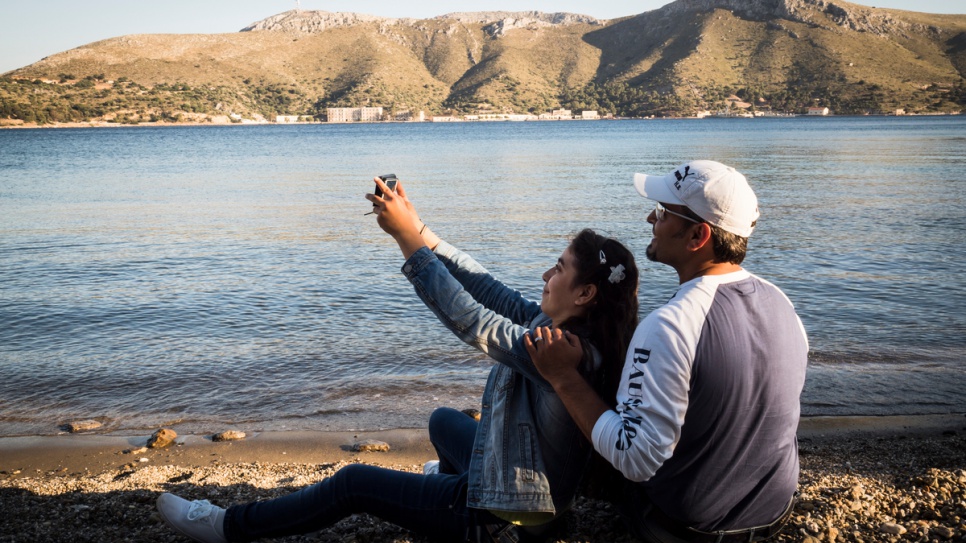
(708, 404)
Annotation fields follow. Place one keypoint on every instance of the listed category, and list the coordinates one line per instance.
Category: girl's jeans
(433, 506)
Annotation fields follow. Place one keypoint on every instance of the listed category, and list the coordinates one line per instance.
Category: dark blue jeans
(635, 509)
(432, 506)
(452, 433)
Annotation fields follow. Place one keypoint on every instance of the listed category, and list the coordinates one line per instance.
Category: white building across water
(353, 114)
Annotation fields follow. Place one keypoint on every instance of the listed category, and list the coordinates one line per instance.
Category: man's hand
(554, 352)
(556, 355)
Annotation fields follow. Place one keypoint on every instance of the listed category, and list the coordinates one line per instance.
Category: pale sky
(33, 29)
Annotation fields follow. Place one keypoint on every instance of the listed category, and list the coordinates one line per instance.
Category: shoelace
(200, 509)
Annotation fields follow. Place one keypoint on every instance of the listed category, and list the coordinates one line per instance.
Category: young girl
(521, 465)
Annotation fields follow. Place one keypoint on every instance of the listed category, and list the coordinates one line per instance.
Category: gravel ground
(860, 488)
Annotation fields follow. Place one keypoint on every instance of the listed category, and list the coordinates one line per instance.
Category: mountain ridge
(685, 57)
(310, 21)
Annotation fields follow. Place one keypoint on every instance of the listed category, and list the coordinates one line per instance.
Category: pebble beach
(862, 479)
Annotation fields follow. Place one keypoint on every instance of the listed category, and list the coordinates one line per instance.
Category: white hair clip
(616, 274)
(603, 257)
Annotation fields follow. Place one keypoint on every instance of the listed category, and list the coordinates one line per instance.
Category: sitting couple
(697, 407)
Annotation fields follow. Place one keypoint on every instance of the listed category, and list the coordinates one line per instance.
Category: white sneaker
(198, 520)
(431, 467)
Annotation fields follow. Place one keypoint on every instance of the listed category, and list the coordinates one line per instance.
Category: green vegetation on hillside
(622, 100)
(126, 102)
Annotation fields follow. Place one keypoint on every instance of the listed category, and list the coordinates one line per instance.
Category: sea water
(213, 277)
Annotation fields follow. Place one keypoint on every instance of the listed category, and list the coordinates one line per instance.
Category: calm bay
(203, 277)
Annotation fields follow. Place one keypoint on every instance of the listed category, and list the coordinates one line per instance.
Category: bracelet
(421, 229)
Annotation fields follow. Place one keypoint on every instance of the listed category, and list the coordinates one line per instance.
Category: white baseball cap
(717, 193)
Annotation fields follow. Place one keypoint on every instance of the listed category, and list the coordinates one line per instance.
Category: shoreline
(886, 479)
(93, 453)
(107, 124)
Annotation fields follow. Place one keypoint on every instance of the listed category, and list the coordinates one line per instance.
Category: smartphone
(390, 180)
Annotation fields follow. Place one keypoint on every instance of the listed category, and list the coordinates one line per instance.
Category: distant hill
(688, 56)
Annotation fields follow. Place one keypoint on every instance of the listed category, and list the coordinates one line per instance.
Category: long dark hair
(609, 326)
(613, 314)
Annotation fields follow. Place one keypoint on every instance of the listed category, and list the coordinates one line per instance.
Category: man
(708, 404)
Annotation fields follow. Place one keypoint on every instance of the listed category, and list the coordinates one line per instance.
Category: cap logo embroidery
(679, 177)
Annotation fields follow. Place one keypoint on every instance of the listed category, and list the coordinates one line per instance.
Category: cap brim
(655, 187)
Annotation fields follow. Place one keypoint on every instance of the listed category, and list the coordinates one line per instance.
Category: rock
(140, 450)
(488, 17)
(371, 445)
(228, 435)
(798, 11)
(944, 532)
(312, 21)
(892, 528)
(833, 534)
(162, 438)
(495, 22)
(83, 426)
(472, 413)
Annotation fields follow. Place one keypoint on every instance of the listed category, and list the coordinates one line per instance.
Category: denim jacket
(528, 454)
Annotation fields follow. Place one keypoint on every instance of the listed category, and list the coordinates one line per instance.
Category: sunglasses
(660, 212)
